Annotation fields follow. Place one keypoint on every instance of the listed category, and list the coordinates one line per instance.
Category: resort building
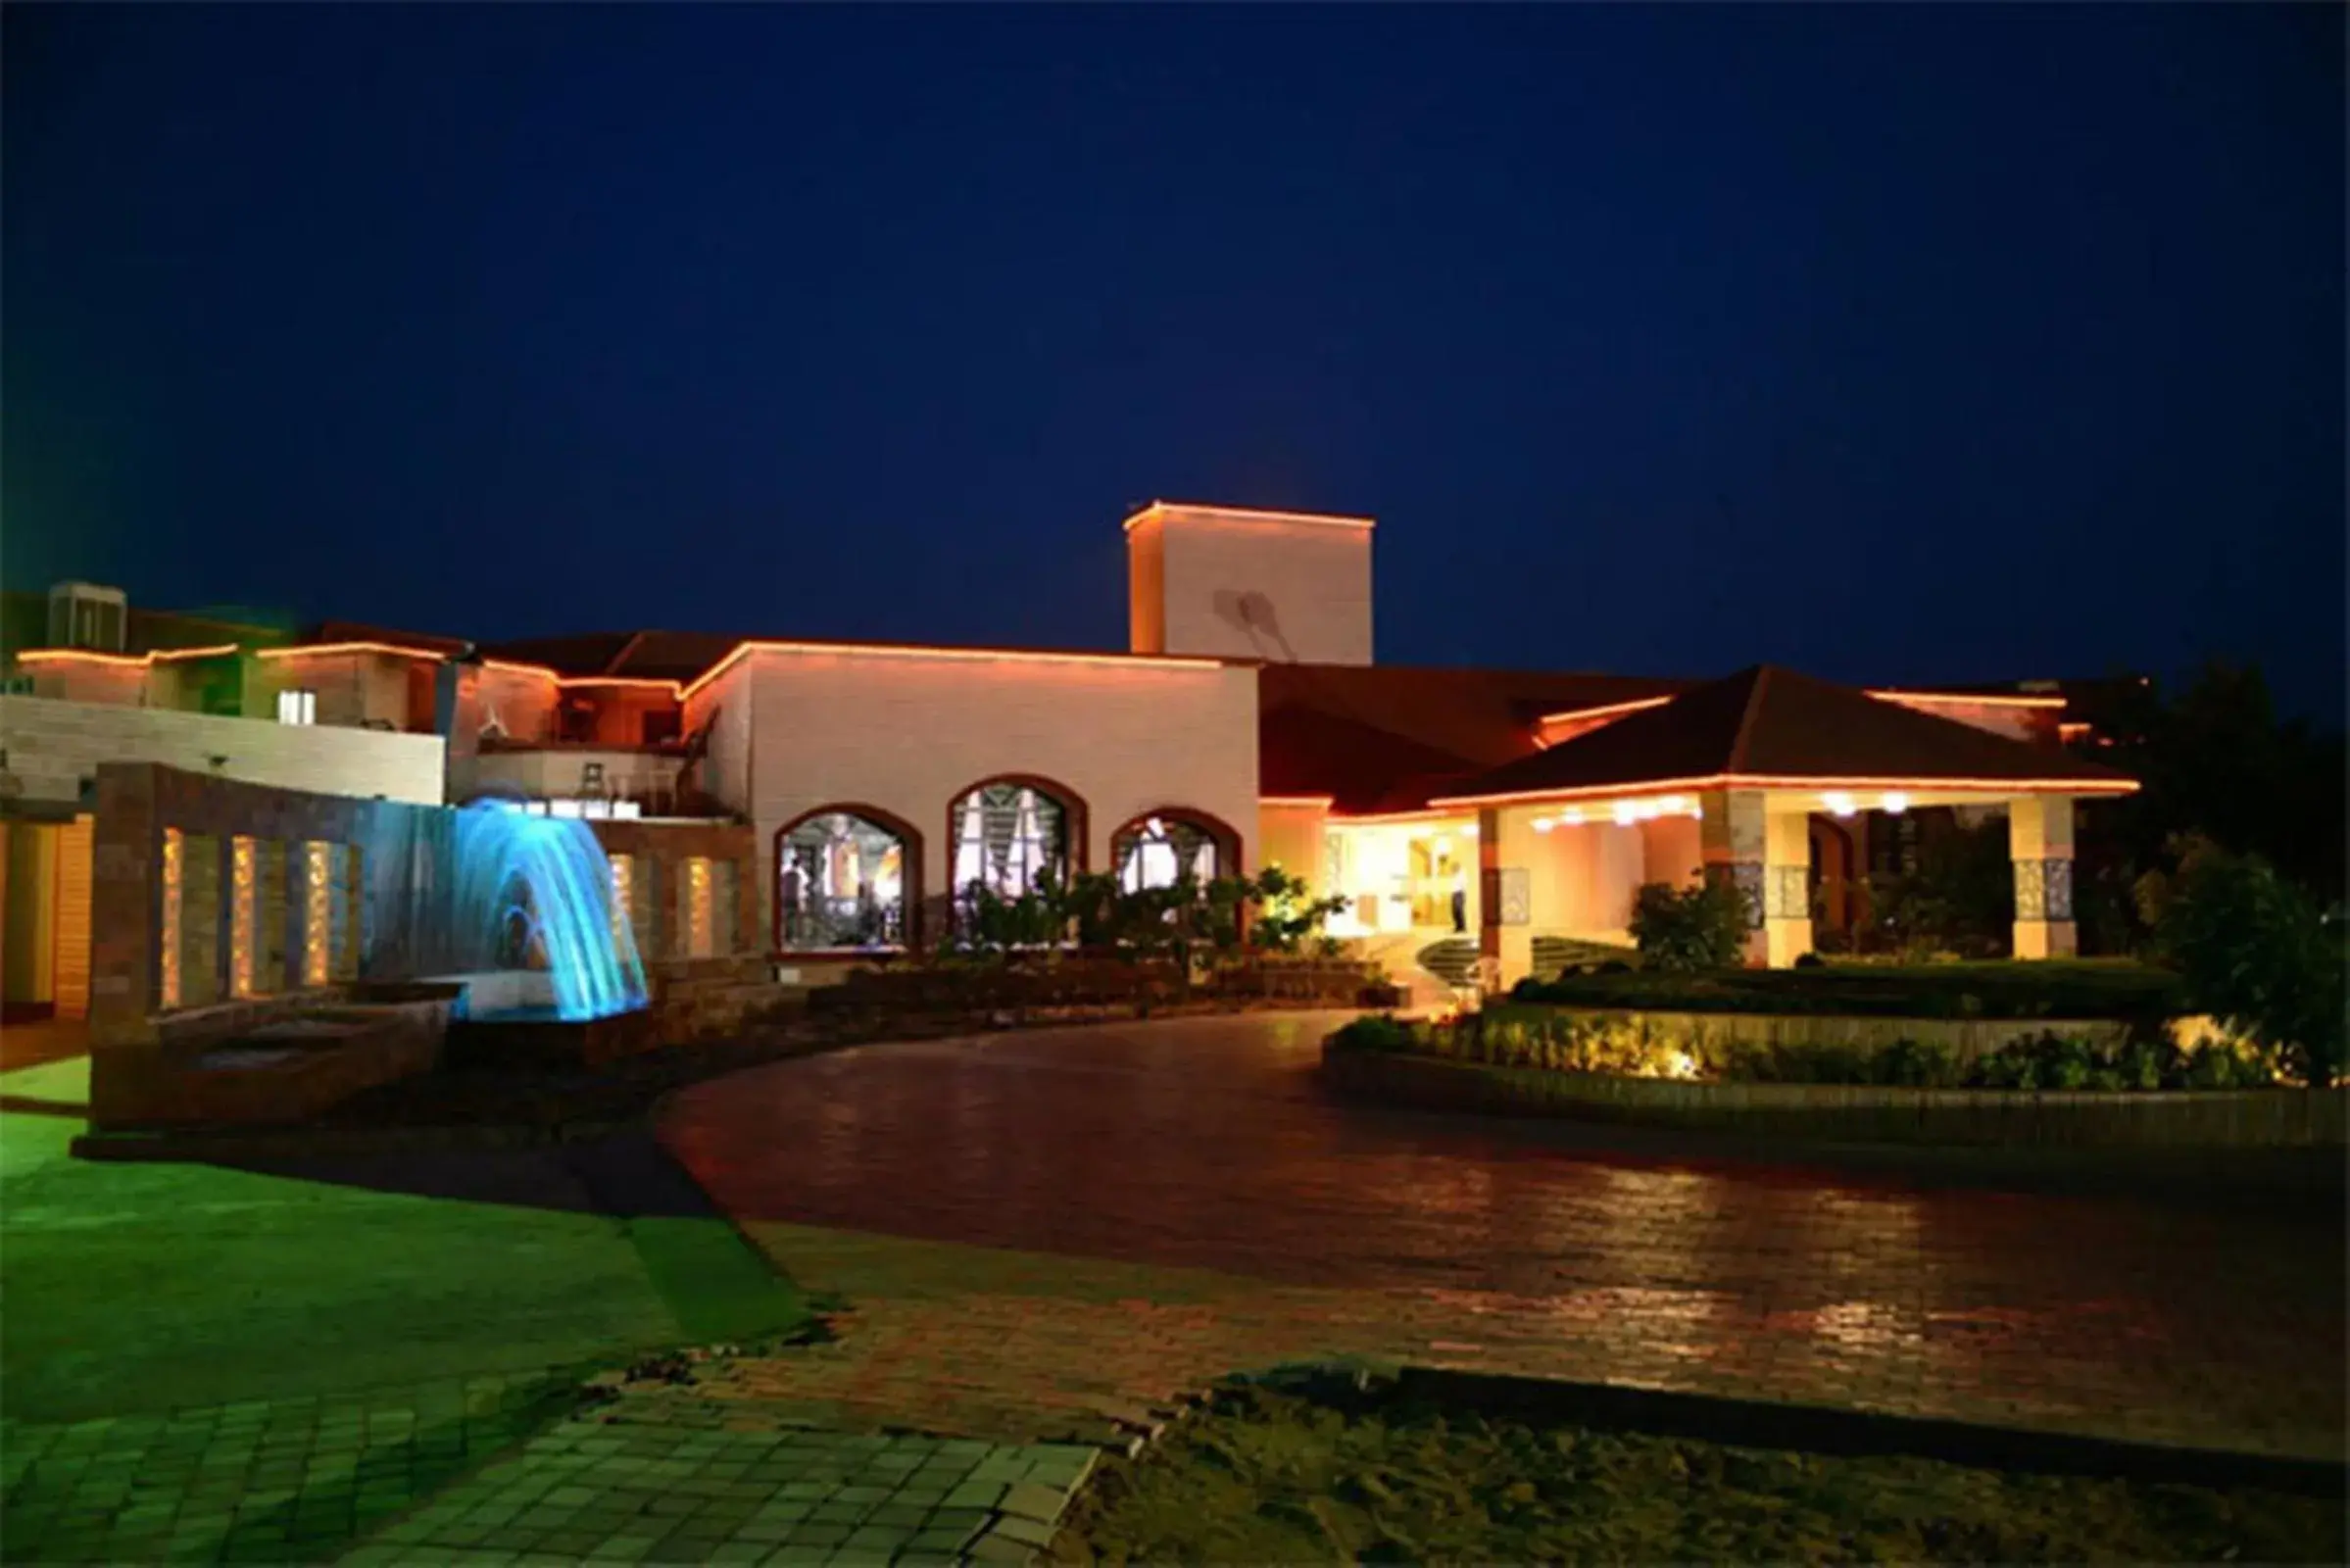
(1477, 822)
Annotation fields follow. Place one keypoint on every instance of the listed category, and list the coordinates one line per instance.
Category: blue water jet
(537, 889)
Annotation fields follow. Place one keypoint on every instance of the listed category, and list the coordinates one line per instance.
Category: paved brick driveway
(1106, 1216)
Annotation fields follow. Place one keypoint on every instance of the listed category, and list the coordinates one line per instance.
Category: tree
(2214, 762)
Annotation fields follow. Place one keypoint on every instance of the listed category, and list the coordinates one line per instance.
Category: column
(1505, 922)
(2040, 840)
(1787, 886)
(1733, 839)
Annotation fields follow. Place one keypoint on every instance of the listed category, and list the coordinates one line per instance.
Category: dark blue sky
(1892, 342)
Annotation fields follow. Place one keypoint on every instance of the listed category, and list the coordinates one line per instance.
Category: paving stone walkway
(1061, 1233)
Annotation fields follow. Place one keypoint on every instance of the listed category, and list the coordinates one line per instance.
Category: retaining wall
(2259, 1118)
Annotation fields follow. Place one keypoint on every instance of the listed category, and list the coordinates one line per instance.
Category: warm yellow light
(174, 867)
(1782, 781)
(624, 881)
(1604, 709)
(323, 650)
(317, 914)
(1572, 817)
(1837, 803)
(698, 908)
(913, 650)
(1894, 802)
(240, 916)
(1158, 509)
(90, 656)
(1627, 814)
(1961, 700)
(1673, 805)
(1543, 824)
(1324, 801)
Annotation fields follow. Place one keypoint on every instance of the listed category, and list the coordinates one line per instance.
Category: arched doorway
(1158, 848)
(1009, 833)
(847, 878)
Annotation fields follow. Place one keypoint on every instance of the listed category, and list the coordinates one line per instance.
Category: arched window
(844, 878)
(1009, 834)
(1155, 851)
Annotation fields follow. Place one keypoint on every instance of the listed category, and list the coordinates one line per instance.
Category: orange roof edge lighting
(1759, 781)
(508, 667)
(917, 651)
(1325, 802)
(91, 655)
(1964, 699)
(321, 650)
(1632, 706)
(1249, 514)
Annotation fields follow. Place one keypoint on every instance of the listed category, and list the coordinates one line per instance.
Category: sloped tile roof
(1771, 722)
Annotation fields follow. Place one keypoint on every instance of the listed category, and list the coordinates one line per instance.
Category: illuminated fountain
(535, 893)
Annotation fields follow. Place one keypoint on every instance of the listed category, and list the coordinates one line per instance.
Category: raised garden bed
(1443, 1468)
(2270, 1118)
(1990, 989)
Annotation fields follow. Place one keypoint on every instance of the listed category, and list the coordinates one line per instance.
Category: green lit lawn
(132, 1288)
(1272, 1478)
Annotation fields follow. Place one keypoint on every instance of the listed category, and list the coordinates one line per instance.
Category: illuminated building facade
(1494, 816)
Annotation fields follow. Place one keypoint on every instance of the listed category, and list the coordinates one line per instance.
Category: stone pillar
(1504, 923)
(2040, 840)
(1734, 839)
(1787, 886)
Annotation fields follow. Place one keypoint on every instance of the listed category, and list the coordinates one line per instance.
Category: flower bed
(2269, 1119)
(2006, 989)
(1921, 1053)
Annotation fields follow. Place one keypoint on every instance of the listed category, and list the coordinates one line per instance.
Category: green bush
(1375, 1032)
(1681, 929)
(2258, 954)
(2000, 988)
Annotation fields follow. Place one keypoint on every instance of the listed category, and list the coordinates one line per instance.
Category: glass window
(840, 882)
(297, 708)
(1157, 850)
(1007, 836)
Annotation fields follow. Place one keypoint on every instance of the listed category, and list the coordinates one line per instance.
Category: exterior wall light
(1627, 814)
(1896, 801)
(1543, 824)
(1572, 817)
(1838, 803)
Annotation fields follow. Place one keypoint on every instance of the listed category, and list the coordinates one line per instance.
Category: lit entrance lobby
(1770, 780)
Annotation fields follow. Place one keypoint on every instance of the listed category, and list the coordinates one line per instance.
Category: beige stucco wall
(522, 702)
(907, 733)
(88, 680)
(353, 688)
(1583, 877)
(555, 771)
(52, 746)
(723, 706)
(1291, 837)
(1252, 586)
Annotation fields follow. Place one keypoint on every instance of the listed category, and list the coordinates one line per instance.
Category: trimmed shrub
(1703, 927)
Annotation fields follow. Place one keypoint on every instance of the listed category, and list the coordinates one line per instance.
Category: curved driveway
(1205, 1144)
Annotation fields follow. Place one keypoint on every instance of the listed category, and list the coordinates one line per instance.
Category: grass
(134, 1287)
(1263, 1476)
(1986, 989)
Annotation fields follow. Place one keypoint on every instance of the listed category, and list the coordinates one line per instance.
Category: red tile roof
(1771, 722)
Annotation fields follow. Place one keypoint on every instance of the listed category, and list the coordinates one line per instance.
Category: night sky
(1894, 343)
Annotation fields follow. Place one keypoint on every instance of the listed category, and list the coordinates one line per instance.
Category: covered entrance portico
(1566, 837)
